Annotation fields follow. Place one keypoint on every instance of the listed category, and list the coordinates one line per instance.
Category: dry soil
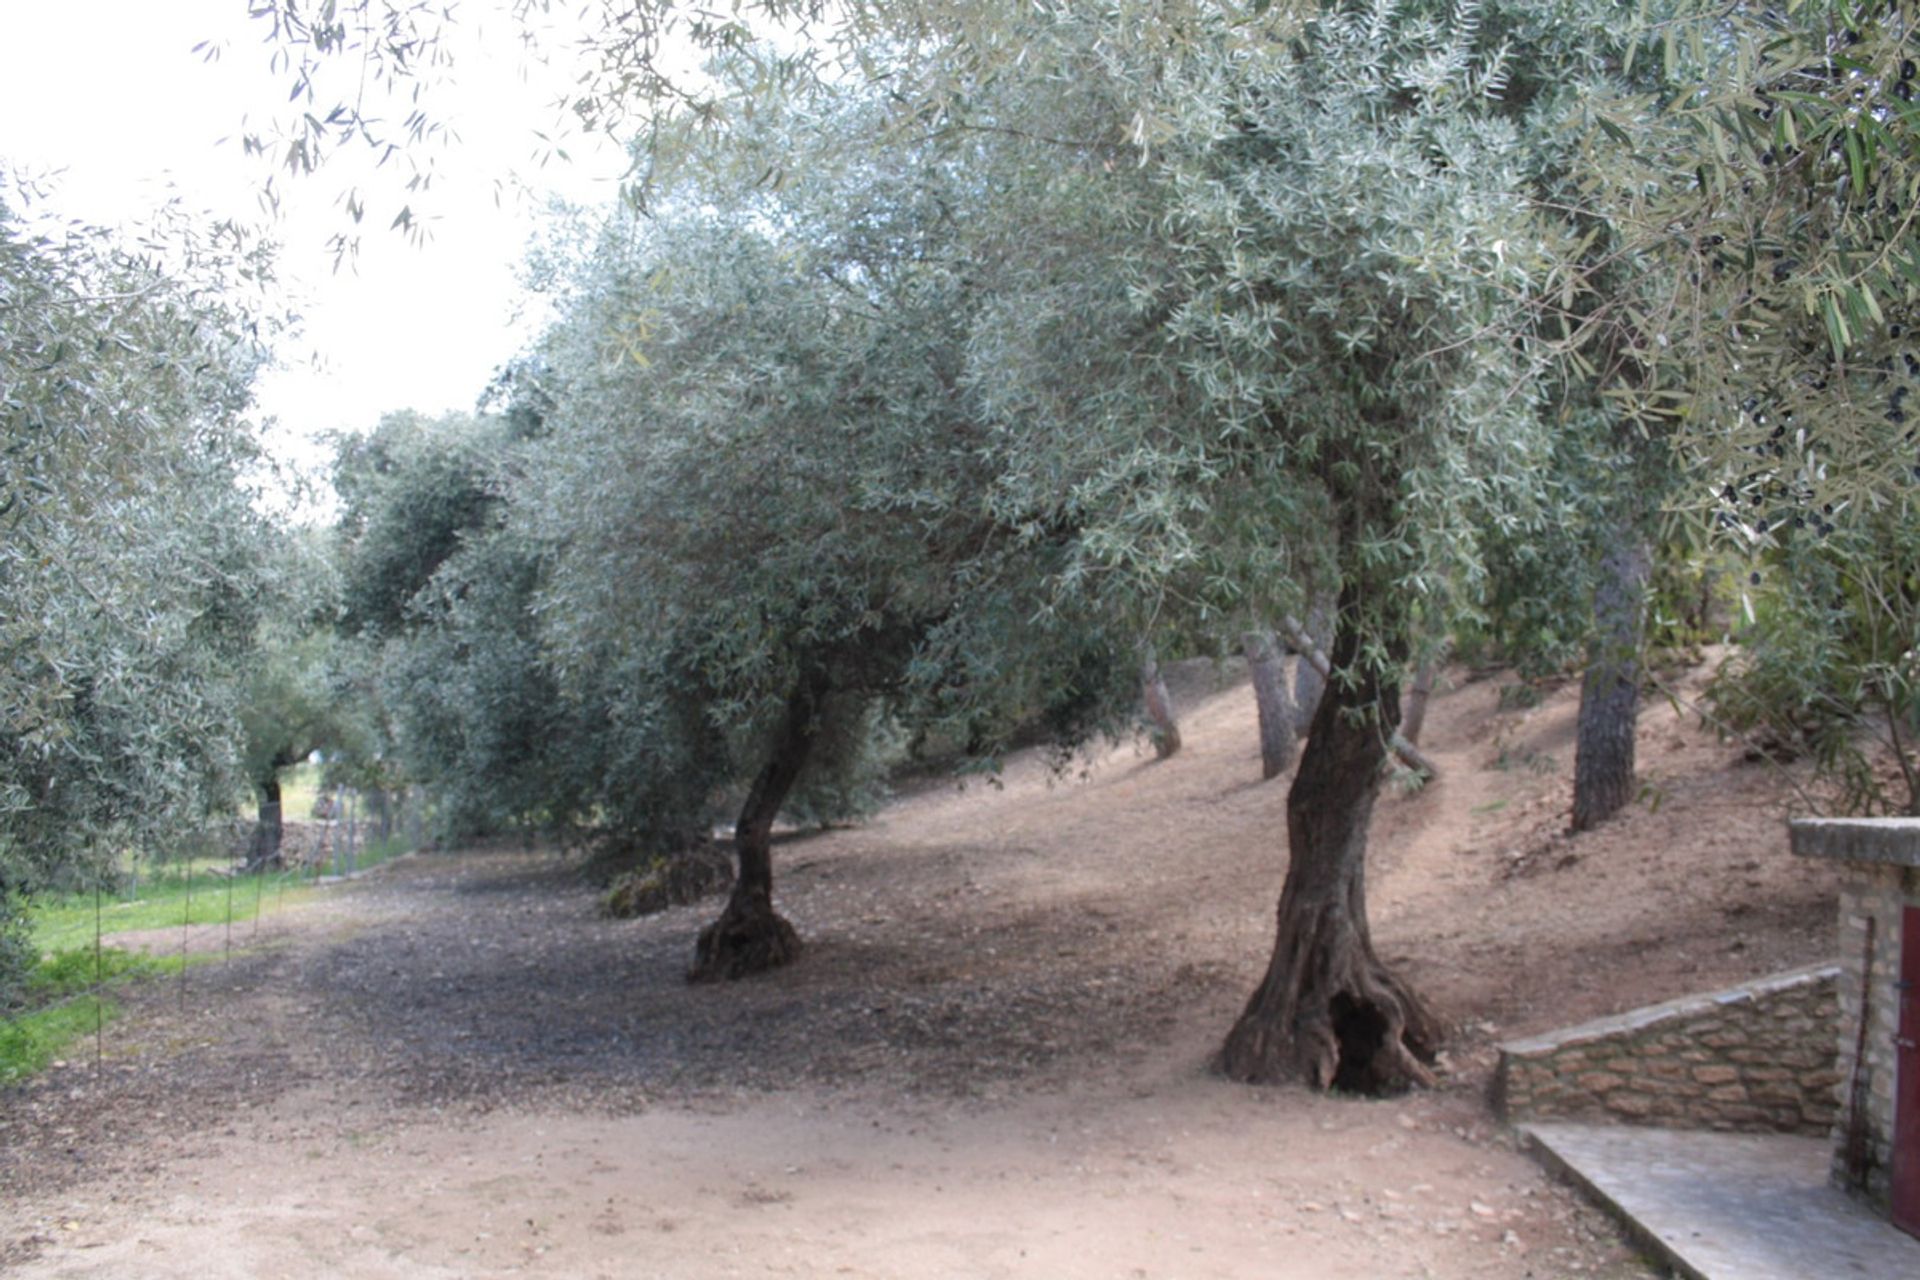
(992, 1060)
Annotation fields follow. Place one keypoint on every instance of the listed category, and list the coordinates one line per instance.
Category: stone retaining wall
(1757, 1056)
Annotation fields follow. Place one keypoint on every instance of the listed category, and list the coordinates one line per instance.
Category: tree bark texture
(1159, 704)
(1603, 777)
(1313, 655)
(1308, 678)
(1418, 696)
(1266, 663)
(269, 830)
(750, 936)
(1329, 1013)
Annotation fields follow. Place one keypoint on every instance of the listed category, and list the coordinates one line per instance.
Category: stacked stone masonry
(1754, 1057)
(1880, 862)
(302, 844)
(1876, 893)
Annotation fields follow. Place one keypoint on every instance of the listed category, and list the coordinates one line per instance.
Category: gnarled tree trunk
(1329, 1012)
(1266, 663)
(1159, 703)
(750, 936)
(1603, 779)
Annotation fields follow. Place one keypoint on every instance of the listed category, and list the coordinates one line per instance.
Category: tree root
(743, 941)
(1329, 1014)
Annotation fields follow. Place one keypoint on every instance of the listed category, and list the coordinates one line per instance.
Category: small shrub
(669, 882)
(1521, 695)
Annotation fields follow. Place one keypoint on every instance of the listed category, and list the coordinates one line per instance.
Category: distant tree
(438, 598)
(412, 491)
(285, 713)
(1274, 703)
(1159, 706)
(768, 488)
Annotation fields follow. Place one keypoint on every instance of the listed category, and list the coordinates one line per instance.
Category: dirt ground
(992, 1060)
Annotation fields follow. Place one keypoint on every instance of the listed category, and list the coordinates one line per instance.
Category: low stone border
(1759, 1056)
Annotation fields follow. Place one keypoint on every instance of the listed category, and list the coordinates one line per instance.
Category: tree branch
(1413, 757)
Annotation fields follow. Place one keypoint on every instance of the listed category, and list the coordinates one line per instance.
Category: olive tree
(129, 549)
(1355, 257)
(1774, 192)
(1309, 368)
(769, 482)
(437, 607)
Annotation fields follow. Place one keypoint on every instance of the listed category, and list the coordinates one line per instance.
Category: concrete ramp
(1729, 1206)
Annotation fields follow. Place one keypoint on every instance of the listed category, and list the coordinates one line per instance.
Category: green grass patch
(70, 995)
(168, 900)
(69, 992)
(376, 852)
(73, 970)
(30, 1041)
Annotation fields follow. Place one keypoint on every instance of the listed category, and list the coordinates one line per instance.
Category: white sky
(110, 93)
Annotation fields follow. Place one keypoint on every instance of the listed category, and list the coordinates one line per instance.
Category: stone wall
(1880, 864)
(1754, 1057)
(302, 844)
(1877, 893)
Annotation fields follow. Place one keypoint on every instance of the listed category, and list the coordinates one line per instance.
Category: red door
(1906, 1106)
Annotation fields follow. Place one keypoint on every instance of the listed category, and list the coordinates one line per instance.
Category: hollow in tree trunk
(1329, 1012)
(1307, 680)
(1603, 779)
(1266, 663)
(269, 830)
(1159, 703)
(750, 936)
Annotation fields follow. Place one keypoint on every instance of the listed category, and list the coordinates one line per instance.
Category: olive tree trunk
(1603, 778)
(383, 813)
(269, 830)
(750, 936)
(1329, 1012)
(1159, 704)
(1266, 663)
(1415, 721)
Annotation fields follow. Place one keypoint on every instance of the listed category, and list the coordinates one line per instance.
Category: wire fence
(204, 887)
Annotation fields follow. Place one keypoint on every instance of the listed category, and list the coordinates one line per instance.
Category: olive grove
(949, 356)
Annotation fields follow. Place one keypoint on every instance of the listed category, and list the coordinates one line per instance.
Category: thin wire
(99, 1017)
(227, 958)
(259, 887)
(186, 918)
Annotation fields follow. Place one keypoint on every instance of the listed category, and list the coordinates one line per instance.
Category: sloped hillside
(992, 1059)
